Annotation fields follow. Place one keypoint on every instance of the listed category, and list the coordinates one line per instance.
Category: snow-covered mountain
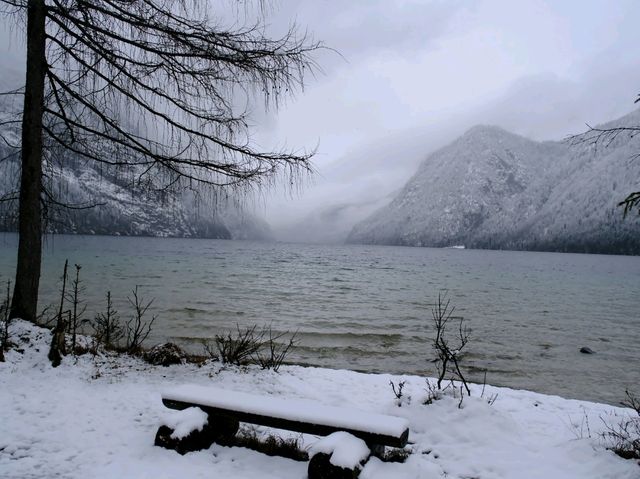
(122, 205)
(494, 189)
(119, 207)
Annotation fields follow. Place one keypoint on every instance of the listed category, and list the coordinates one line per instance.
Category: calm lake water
(368, 307)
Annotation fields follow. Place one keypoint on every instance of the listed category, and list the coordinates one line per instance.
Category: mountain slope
(121, 208)
(122, 205)
(493, 189)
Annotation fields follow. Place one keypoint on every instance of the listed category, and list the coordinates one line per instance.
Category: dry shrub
(274, 351)
(623, 435)
(236, 348)
(250, 345)
(271, 445)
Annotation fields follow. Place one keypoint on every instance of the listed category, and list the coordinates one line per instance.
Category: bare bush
(271, 445)
(107, 327)
(210, 349)
(448, 351)
(623, 436)
(435, 392)
(397, 392)
(264, 347)
(400, 394)
(137, 329)
(491, 398)
(274, 351)
(239, 348)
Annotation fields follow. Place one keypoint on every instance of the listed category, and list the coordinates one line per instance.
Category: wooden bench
(226, 409)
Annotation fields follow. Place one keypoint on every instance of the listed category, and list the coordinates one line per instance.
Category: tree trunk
(25, 294)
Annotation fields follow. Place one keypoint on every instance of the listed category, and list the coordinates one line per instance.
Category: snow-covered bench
(226, 409)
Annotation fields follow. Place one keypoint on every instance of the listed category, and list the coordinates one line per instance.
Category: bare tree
(150, 87)
(137, 329)
(604, 137)
(448, 354)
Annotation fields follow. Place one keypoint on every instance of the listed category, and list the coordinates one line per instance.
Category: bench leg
(219, 429)
(195, 441)
(320, 467)
(377, 450)
(223, 428)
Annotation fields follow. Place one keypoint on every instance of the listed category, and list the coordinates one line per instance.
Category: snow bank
(185, 422)
(345, 449)
(97, 417)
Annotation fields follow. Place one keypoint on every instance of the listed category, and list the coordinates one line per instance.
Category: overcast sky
(413, 75)
(416, 74)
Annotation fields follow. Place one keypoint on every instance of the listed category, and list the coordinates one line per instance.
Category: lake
(368, 308)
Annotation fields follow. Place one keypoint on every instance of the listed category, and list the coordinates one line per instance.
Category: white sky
(416, 74)
(413, 75)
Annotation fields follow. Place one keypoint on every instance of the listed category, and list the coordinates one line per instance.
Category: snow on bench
(291, 414)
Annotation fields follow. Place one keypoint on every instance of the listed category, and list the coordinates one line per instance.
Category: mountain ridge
(494, 189)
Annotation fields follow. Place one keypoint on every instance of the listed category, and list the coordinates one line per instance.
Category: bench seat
(297, 415)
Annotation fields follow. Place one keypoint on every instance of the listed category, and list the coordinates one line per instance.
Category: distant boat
(457, 246)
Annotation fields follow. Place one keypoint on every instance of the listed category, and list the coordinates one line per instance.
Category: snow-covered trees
(605, 136)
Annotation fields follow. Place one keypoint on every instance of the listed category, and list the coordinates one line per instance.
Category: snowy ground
(97, 418)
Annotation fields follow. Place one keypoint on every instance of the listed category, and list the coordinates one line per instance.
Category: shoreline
(97, 416)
